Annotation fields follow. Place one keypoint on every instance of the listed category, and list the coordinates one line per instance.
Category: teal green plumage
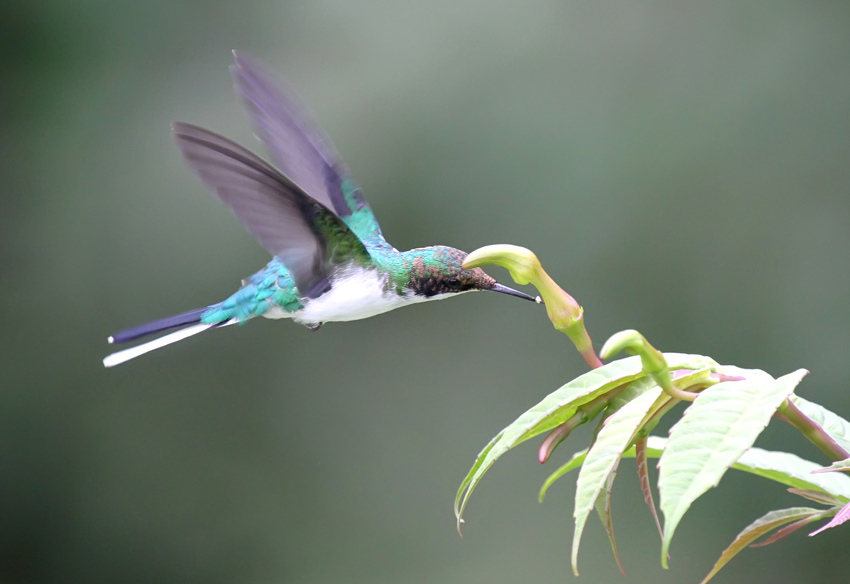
(273, 286)
(330, 261)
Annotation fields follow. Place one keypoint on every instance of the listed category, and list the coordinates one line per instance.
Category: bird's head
(437, 271)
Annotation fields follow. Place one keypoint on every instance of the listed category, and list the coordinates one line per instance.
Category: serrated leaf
(603, 509)
(782, 467)
(840, 465)
(836, 426)
(616, 436)
(817, 497)
(758, 528)
(659, 407)
(558, 407)
(840, 517)
(645, 484)
(714, 432)
(791, 528)
(630, 392)
(793, 471)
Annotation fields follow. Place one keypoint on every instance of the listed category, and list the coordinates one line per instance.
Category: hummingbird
(330, 261)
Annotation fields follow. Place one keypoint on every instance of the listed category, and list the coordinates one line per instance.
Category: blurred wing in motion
(307, 237)
(298, 145)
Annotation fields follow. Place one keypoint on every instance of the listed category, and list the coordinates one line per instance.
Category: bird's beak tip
(510, 291)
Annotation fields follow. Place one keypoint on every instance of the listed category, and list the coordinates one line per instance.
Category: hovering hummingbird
(330, 261)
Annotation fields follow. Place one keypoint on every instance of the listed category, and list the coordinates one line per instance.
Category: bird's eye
(452, 281)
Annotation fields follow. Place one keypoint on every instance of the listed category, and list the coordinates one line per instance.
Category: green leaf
(782, 467)
(791, 528)
(758, 528)
(620, 430)
(576, 461)
(714, 432)
(641, 457)
(601, 462)
(841, 516)
(793, 471)
(622, 398)
(817, 496)
(836, 426)
(603, 509)
(628, 393)
(840, 465)
(558, 407)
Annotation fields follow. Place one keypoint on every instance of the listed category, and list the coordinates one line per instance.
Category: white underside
(357, 294)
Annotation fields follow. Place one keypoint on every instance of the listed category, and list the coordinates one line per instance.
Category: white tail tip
(133, 352)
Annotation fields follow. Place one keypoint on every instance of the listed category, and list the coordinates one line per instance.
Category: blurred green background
(680, 168)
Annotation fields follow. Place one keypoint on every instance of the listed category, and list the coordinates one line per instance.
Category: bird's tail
(188, 323)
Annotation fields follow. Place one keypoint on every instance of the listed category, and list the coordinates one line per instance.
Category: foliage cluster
(729, 409)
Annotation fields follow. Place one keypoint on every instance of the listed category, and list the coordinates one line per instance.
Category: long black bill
(505, 290)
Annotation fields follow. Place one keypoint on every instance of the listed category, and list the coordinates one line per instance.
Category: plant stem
(585, 346)
(811, 430)
(675, 392)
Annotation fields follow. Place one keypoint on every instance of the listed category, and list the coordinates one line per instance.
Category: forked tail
(188, 323)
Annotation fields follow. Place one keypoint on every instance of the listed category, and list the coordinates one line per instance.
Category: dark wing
(307, 237)
(297, 144)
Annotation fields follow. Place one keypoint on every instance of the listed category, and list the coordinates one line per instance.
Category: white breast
(357, 294)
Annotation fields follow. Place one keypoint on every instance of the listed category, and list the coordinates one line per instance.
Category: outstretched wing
(299, 147)
(307, 237)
